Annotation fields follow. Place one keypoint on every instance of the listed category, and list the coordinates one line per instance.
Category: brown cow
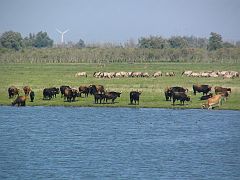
(219, 90)
(20, 101)
(12, 91)
(83, 90)
(26, 90)
(213, 102)
(96, 89)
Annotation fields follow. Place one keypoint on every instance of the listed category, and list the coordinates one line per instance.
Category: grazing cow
(170, 74)
(62, 89)
(157, 74)
(134, 96)
(79, 74)
(187, 73)
(48, 93)
(93, 89)
(20, 101)
(201, 88)
(26, 90)
(206, 96)
(55, 91)
(32, 96)
(112, 95)
(219, 90)
(169, 91)
(212, 102)
(83, 90)
(12, 91)
(181, 96)
(70, 94)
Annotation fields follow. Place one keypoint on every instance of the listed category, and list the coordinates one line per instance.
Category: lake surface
(118, 143)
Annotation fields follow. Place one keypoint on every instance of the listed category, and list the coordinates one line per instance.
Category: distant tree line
(37, 48)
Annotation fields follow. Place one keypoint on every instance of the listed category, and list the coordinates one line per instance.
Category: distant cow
(26, 90)
(219, 90)
(79, 74)
(169, 91)
(48, 93)
(206, 96)
(213, 102)
(96, 89)
(70, 94)
(12, 91)
(98, 97)
(205, 89)
(134, 96)
(181, 96)
(62, 89)
(157, 74)
(112, 95)
(20, 101)
(83, 90)
(32, 96)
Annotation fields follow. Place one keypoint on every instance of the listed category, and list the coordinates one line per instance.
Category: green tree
(177, 42)
(11, 40)
(215, 41)
(42, 40)
(80, 44)
(154, 42)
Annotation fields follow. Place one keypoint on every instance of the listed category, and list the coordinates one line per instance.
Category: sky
(117, 21)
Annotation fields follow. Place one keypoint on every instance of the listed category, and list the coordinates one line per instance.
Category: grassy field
(40, 76)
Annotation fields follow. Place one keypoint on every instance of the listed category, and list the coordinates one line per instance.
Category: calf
(206, 96)
(32, 96)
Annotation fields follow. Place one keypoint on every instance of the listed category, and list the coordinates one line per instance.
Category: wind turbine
(62, 33)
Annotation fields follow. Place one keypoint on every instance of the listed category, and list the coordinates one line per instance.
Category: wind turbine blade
(65, 31)
(59, 31)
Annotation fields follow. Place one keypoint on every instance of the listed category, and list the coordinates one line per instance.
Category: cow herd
(70, 94)
(188, 73)
(214, 74)
(180, 93)
(101, 96)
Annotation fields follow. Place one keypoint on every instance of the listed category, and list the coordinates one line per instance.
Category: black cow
(206, 96)
(205, 89)
(83, 90)
(55, 91)
(62, 89)
(134, 96)
(32, 96)
(169, 91)
(112, 95)
(48, 93)
(12, 91)
(70, 94)
(98, 97)
(181, 96)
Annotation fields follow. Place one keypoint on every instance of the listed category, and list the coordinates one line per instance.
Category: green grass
(40, 76)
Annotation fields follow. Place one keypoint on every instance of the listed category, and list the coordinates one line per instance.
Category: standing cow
(20, 101)
(12, 91)
(26, 90)
(134, 96)
(205, 89)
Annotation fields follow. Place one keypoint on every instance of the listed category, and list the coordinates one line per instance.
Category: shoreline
(177, 107)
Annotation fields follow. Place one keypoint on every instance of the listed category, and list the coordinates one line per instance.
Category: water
(118, 143)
